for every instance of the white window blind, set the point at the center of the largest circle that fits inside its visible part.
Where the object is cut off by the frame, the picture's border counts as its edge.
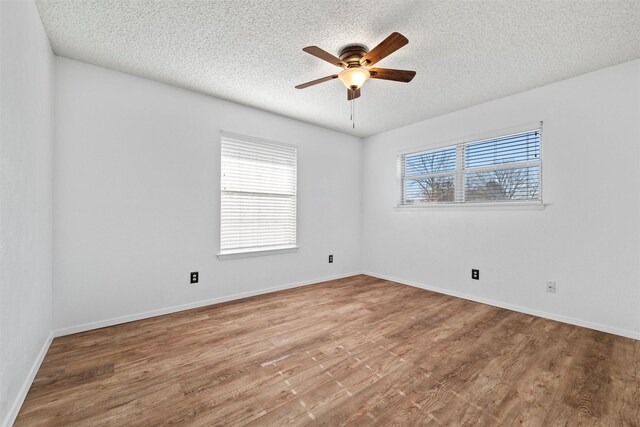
(500, 169)
(258, 195)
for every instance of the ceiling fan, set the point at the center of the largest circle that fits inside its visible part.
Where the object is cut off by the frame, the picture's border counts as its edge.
(355, 61)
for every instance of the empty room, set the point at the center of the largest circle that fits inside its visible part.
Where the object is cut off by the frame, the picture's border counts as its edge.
(335, 212)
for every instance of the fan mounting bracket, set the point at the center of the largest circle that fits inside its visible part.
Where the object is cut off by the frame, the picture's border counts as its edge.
(351, 54)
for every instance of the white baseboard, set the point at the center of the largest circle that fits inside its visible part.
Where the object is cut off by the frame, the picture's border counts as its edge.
(10, 417)
(159, 312)
(534, 312)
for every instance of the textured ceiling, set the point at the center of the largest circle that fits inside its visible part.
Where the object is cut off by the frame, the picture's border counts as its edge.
(250, 51)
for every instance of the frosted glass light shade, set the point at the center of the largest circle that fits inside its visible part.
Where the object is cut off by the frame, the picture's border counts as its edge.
(354, 78)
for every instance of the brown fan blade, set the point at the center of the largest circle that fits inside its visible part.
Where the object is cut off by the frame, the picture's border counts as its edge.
(389, 74)
(389, 45)
(315, 82)
(324, 55)
(353, 94)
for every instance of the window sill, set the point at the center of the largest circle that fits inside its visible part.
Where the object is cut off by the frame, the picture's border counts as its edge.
(248, 253)
(505, 206)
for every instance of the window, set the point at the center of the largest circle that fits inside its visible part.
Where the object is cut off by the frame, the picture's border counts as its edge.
(258, 195)
(496, 170)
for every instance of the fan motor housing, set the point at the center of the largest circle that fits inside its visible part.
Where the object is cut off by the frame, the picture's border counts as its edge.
(352, 54)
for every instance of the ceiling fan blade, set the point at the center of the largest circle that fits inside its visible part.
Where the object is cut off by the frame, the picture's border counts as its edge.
(315, 82)
(324, 55)
(389, 45)
(353, 94)
(404, 76)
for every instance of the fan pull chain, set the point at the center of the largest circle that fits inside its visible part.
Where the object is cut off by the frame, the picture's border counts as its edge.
(353, 113)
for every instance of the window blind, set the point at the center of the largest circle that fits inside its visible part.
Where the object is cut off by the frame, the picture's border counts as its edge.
(258, 195)
(429, 176)
(501, 169)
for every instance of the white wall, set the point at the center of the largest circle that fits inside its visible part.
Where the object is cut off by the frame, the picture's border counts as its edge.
(26, 101)
(137, 199)
(588, 237)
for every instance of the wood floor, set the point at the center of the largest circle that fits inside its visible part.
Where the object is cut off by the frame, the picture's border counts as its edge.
(356, 351)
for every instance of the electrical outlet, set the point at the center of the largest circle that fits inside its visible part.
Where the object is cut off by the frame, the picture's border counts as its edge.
(475, 274)
(194, 277)
(551, 287)
(330, 259)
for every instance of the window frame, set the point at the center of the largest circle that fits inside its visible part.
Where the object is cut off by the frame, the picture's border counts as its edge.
(460, 173)
(264, 250)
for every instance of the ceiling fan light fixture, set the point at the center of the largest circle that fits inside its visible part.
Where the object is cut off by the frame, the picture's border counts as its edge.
(354, 78)
(355, 60)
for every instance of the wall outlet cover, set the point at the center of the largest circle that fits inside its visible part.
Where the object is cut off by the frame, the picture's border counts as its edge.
(194, 277)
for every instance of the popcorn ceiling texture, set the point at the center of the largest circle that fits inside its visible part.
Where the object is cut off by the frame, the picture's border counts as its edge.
(250, 51)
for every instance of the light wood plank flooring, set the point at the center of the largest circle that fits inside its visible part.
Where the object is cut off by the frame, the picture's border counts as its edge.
(356, 351)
